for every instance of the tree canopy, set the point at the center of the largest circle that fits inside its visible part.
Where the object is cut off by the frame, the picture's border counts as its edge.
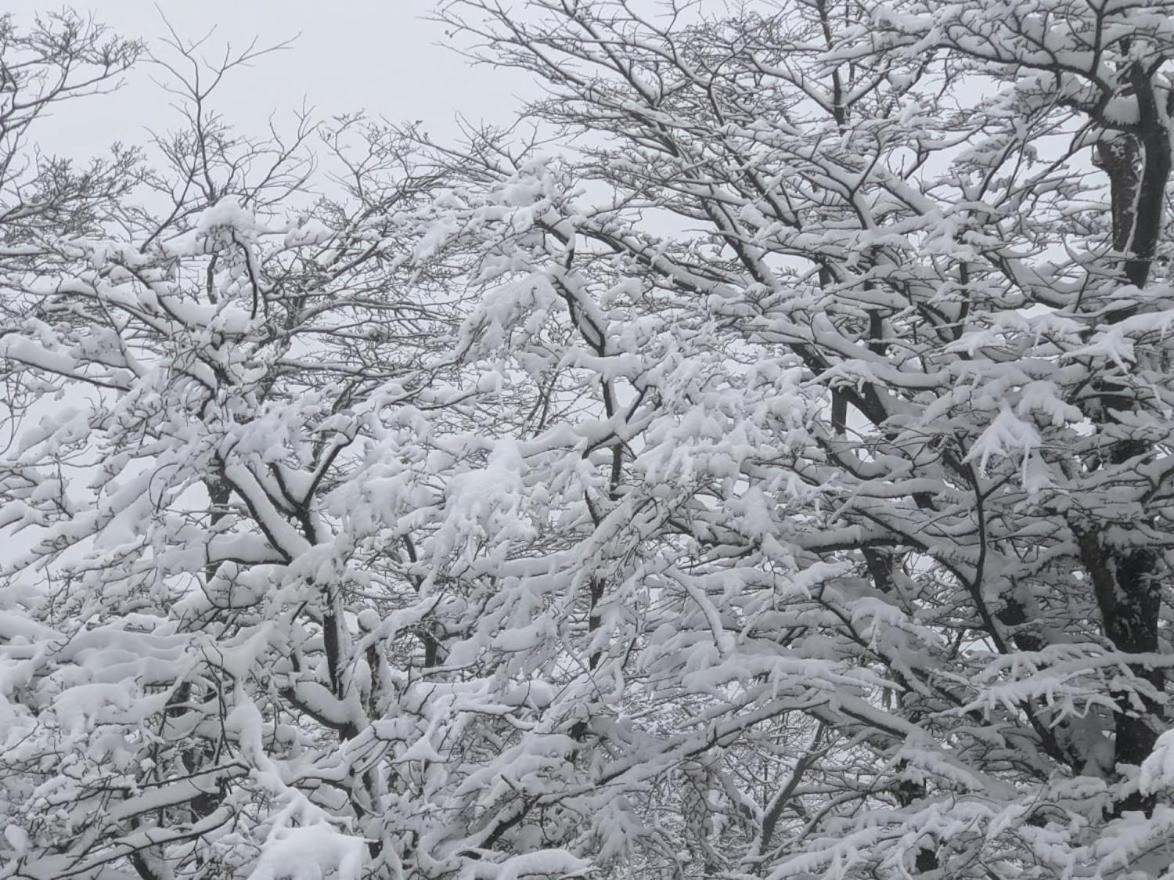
(756, 462)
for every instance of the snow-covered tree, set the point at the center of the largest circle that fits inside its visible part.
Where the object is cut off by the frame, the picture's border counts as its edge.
(763, 470)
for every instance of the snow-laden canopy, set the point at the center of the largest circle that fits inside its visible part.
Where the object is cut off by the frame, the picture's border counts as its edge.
(755, 463)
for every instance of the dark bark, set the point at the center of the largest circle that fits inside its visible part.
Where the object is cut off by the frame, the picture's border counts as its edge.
(1125, 575)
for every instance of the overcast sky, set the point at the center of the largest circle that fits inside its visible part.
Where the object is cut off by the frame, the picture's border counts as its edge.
(378, 55)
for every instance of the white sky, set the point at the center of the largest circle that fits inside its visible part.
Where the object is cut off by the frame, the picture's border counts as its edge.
(381, 56)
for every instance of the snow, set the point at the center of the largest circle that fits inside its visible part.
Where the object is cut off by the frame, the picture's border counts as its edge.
(740, 486)
(309, 853)
(227, 212)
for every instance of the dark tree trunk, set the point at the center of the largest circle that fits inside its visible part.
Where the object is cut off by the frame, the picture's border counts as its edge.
(1124, 574)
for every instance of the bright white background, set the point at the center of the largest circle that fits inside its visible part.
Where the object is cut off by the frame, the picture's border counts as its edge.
(381, 56)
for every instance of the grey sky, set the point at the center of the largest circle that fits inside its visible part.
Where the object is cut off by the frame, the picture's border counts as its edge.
(377, 55)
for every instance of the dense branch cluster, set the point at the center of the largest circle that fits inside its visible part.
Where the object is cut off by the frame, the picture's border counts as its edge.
(756, 463)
